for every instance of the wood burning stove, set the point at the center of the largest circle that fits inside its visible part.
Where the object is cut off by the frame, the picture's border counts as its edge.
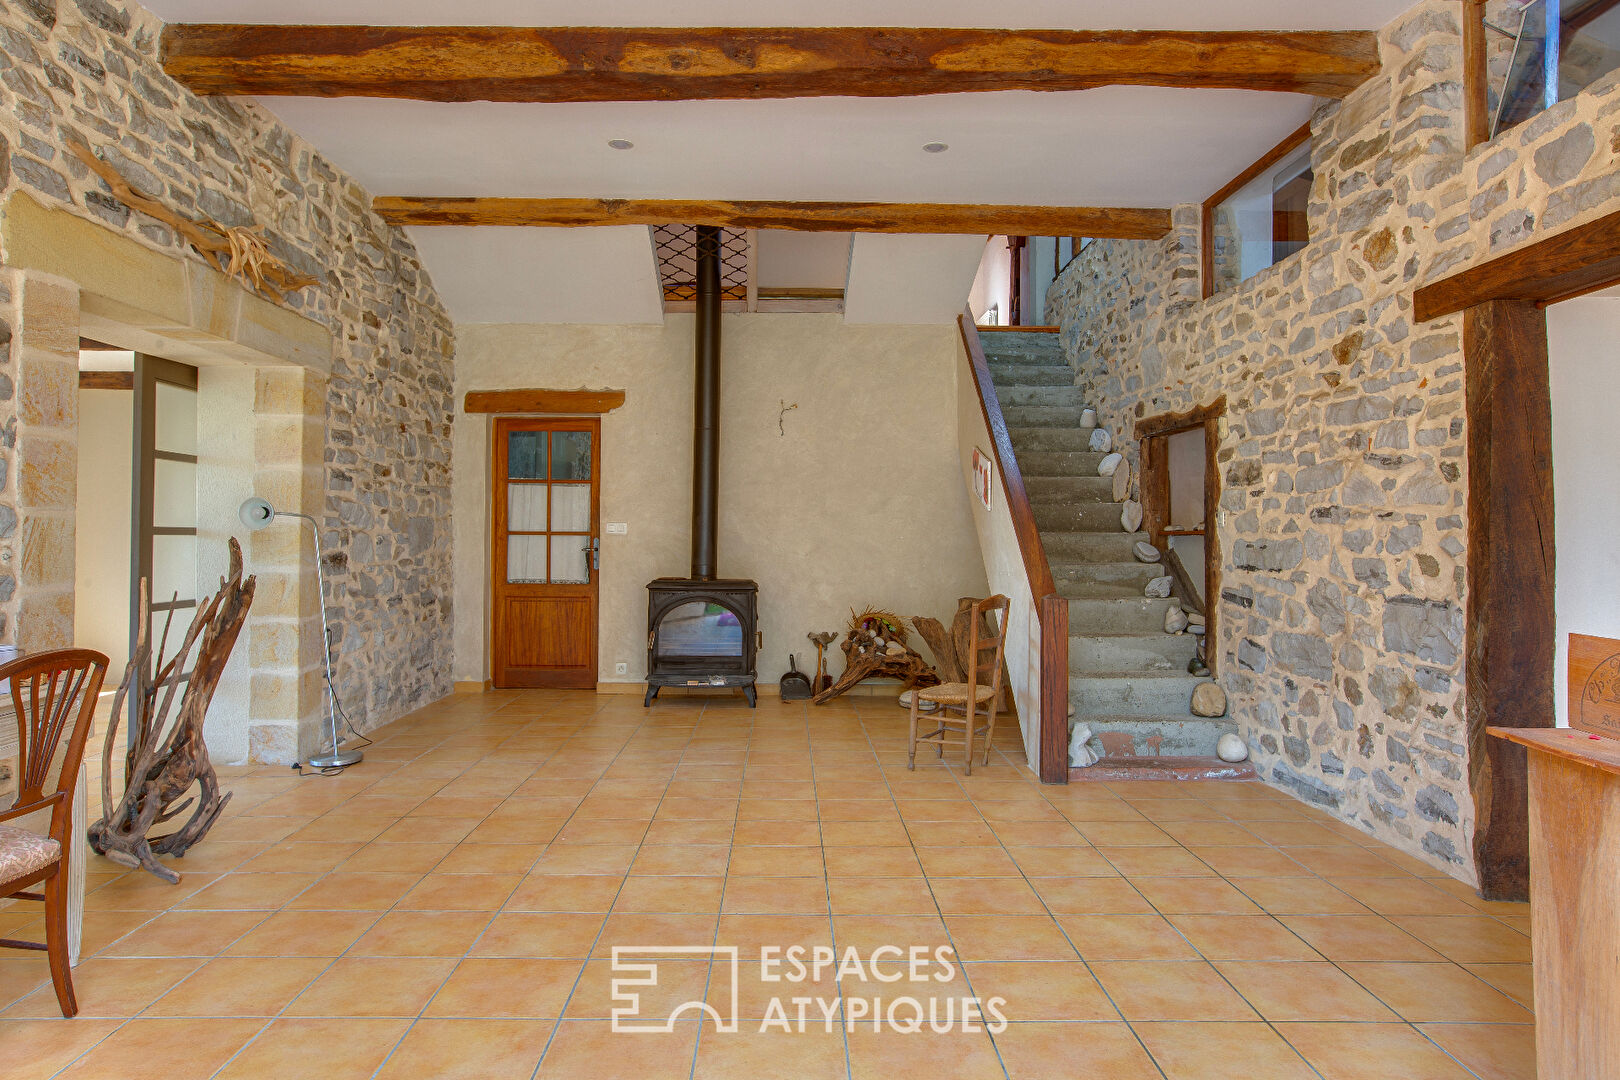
(703, 631)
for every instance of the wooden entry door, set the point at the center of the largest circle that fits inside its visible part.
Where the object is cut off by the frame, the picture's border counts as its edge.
(545, 552)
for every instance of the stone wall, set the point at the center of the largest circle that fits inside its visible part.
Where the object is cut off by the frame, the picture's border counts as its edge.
(1343, 524)
(88, 70)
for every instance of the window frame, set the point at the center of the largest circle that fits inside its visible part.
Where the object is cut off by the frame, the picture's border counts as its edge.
(1206, 240)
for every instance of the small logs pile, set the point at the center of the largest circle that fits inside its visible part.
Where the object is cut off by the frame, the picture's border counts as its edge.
(875, 647)
(163, 763)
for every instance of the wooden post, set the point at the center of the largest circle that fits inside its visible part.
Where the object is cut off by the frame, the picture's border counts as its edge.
(1510, 638)
(1476, 75)
(1054, 720)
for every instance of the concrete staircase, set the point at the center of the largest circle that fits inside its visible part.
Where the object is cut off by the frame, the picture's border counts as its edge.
(1127, 677)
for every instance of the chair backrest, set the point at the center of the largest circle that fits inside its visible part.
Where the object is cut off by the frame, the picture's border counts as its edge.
(54, 694)
(980, 643)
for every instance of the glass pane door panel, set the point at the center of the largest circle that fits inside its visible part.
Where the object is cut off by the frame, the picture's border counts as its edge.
(571, 508)
(175, 424)
(570, 455)
(526, 560)
(526, 507)
(569, 560)
(174, 494)
(526, 455)
(174, 568)
(697, 628)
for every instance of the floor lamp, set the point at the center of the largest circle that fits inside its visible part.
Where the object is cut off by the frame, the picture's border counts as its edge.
(256, 513)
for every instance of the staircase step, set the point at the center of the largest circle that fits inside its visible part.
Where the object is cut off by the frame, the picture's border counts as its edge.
(1096, 654)
(1181, 736)
(1131, 575)
(1134, 694)
(1066, 489)
(1031, 375)
(1059, 462)
(1024, 352)
(1103, 547)
(1089, 516)
(1031, 439)
(1016, 396)
(1063, 416)
(1128, 615)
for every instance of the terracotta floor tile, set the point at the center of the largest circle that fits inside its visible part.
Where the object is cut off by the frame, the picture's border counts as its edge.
(187, 933)
(616, 831)
(868, 932)
(594, 997)
(762, 861)
(1194, 896)
(468, 1050)
(1242, 937)
(590, 1050)
(670, 894)
(1170, 990)
(240, 986)
(1156, 862)
(1493, 1051)
(900, 1055)
(643, 930)
(52, 1045)
(752, 1054)
(1062, 862)
(1120, 834)
(1370, 1052)
(1038, 834)
(144, 892)
(1402, 896)
(374, 986)
(248, 892)
(1088, 896)
(540, 934)
(484, 859)
(561, 892)
(1292, 990)
(1043, 990)
(775, 896)
(507, 988)
(422, 933)
(304, 933)
(1126, 937)
(1008, 937)
(1442, 992)
(164, 1050)
(698, 860)
(872, 862)
(886, 833)
(345, 891)
(108, 987)
(985, 896)
(1249, 862)
(330, 1049)
(300, 858)
(983, 862)
(1517, 981)
(1041, 1051)
(1343, 862)
(881, 896)
(1358, 937)
(586, 859)
(1222, 1051)
(460, 892)
(771, 833)
(750, 934)
(1299, 896)
(1468, 939)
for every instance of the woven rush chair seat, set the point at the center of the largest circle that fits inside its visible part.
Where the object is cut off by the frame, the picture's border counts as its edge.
(23, 852)
(956, 693)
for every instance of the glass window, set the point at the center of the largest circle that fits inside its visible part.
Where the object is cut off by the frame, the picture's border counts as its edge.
(570, 455)
(569, 560)
(1558, 48)
(526, 560)
(526, 507)
(697, 628)
(175, 427)
(1264, 222)
(526, 455)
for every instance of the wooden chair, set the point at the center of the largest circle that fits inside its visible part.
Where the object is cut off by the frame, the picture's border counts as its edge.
(980, 693)
(51, 692)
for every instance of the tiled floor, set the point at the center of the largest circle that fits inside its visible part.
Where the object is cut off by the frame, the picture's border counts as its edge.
(448, 909)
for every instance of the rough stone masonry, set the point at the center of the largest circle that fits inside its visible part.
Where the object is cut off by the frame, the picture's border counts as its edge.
(1343, 516)
(88, 69)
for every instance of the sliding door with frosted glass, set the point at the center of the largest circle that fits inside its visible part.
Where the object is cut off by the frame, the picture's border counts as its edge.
(544, 561)
(164, 495)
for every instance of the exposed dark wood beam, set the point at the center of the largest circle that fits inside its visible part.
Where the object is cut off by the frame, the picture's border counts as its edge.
(486, 63)
(1123, 223)
(1556, 267)
(106, 380)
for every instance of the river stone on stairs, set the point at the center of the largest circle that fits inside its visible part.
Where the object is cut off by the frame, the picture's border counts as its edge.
(1128, 679)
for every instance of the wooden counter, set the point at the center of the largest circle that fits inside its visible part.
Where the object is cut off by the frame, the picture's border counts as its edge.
(1574, 899)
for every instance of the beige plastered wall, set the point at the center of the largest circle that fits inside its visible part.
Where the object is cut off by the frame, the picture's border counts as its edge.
(853, 497)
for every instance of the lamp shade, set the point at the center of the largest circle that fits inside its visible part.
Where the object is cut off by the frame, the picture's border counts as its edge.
(256, 513)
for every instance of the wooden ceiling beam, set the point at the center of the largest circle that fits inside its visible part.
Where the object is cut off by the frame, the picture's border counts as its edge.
(487, 63)
(1120, 223)
(1558, 267)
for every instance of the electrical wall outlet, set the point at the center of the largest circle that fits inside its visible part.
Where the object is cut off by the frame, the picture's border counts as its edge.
(618, 528)
(621, 668)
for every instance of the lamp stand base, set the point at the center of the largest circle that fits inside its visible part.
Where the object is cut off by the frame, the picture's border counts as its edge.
(337, 760)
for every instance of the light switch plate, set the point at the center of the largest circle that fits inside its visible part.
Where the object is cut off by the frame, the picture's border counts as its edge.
(618, 528)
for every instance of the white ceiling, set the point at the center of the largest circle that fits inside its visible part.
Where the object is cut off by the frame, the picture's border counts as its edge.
(910, 279)
(1113, 146)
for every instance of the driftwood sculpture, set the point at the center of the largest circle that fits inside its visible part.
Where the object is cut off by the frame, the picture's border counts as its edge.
(164, 762)
(875, 647)
(950, 648)
(237, 251)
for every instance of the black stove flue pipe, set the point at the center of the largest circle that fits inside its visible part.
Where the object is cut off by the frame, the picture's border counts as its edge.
(706, 407)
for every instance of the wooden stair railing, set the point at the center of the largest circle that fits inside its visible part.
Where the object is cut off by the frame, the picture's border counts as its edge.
(1051, 609)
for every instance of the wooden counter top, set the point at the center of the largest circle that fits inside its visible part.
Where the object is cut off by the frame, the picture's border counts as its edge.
(1571, 744)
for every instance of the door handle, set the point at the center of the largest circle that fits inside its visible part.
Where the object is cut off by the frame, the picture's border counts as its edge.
(594, 548)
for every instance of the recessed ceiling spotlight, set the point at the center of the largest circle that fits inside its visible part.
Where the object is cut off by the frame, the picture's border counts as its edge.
(621, 144)
(935, 148)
